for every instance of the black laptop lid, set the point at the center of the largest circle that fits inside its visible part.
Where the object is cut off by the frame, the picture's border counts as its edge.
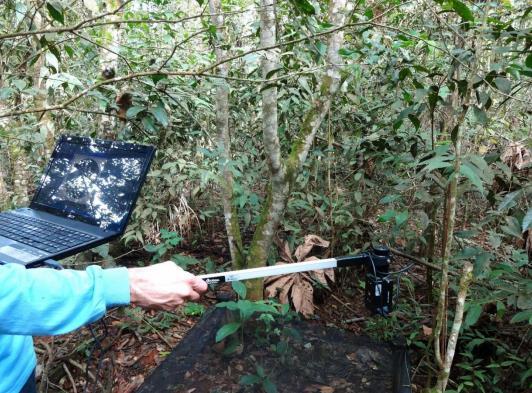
(94, 181)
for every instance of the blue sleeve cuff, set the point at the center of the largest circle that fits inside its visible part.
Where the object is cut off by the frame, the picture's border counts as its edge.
(116, 287)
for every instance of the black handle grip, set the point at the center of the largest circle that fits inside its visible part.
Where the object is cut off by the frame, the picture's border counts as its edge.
(353, 260)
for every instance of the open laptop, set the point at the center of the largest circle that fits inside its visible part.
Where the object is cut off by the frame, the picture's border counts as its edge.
(85, 199)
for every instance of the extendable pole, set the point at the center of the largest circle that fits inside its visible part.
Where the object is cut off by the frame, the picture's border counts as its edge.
(378, 289)
(286, 268)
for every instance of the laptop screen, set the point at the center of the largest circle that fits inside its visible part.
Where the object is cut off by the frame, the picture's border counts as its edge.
(94, 181)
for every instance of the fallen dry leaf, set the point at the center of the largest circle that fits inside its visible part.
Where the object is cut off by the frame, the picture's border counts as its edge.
(297, 287)
(309, 243)
(302, 296)
(427, 331)
(516, 155)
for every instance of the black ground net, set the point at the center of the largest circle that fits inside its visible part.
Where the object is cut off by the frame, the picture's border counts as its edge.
(312, 359)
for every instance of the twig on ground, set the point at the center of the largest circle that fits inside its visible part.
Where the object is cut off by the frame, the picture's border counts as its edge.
(157, 332)
(70, 378)
(352, 320)
(50, 358)
(84, 368)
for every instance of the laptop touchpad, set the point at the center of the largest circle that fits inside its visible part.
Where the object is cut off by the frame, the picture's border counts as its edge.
(12, 251)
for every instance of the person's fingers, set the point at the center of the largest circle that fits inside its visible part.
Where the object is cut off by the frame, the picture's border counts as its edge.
(199, 285)
(193, 296)
(183, 290)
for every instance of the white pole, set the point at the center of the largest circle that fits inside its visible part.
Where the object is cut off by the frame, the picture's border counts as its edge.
(276, 270)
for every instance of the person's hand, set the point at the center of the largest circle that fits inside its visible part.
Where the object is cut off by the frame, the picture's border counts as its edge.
(163, 286)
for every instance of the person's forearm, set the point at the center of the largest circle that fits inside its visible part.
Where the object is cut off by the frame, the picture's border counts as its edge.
(46, 302)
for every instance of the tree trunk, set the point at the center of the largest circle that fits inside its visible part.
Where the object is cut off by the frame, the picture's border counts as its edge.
(232, 225)
(465, 280)
(4, 161)
(440, 332)
(282, 174)
(40, 73)
(109, 54)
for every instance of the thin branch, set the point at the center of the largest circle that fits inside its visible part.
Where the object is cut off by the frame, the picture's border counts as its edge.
(86, 24)
(105, 49)
(84, 92)
(203, 72)
(179, 44)
(67, 29)
(306, 38)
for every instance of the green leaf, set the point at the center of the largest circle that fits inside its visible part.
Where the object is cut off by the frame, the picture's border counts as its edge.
(147, 122)
(437, 162)
(389, 199)
(184, 261)
(160, 114)
(415, 121)
(20, 84)
(473, 177)
(52, 61)
(260, 371)
(269, 386)
(387, 216)
(522, 316)
(304, 6)
(503, 84)
(484, 170)
(480, 115)
(508, 200)
(454, 134)
(56, 12)
(69, 51)
(404, 73)
(473, 313)
(401, 217)
(512, 227)
(482, 264)
(462, 10)
(249, 380)
(527, 220)
(193, 309)
(151, 247)
(348, 53)
(134, 111)
(227, 330)
(240, 289)
(528, 61)
(6, 93)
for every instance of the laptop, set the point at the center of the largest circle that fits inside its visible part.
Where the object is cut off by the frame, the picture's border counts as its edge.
(84, 199)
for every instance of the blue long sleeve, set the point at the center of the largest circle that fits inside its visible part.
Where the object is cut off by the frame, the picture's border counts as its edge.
(49, 302)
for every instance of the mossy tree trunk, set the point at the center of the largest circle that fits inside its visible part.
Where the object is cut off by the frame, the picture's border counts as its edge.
(283, 172)
(224, 141)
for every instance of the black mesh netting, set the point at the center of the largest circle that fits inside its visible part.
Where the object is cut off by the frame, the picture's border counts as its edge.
(317, 359)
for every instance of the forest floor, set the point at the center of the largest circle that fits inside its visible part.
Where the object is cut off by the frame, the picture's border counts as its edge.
(119, 352)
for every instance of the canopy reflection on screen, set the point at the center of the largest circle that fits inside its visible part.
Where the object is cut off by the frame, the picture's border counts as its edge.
(94, 182)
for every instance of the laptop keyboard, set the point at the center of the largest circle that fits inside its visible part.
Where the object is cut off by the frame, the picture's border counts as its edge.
(40, 234)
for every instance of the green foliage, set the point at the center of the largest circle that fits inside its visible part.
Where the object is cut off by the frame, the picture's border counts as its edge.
(260, 379)
(193, 309)
(380, 164)
(169, 240)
